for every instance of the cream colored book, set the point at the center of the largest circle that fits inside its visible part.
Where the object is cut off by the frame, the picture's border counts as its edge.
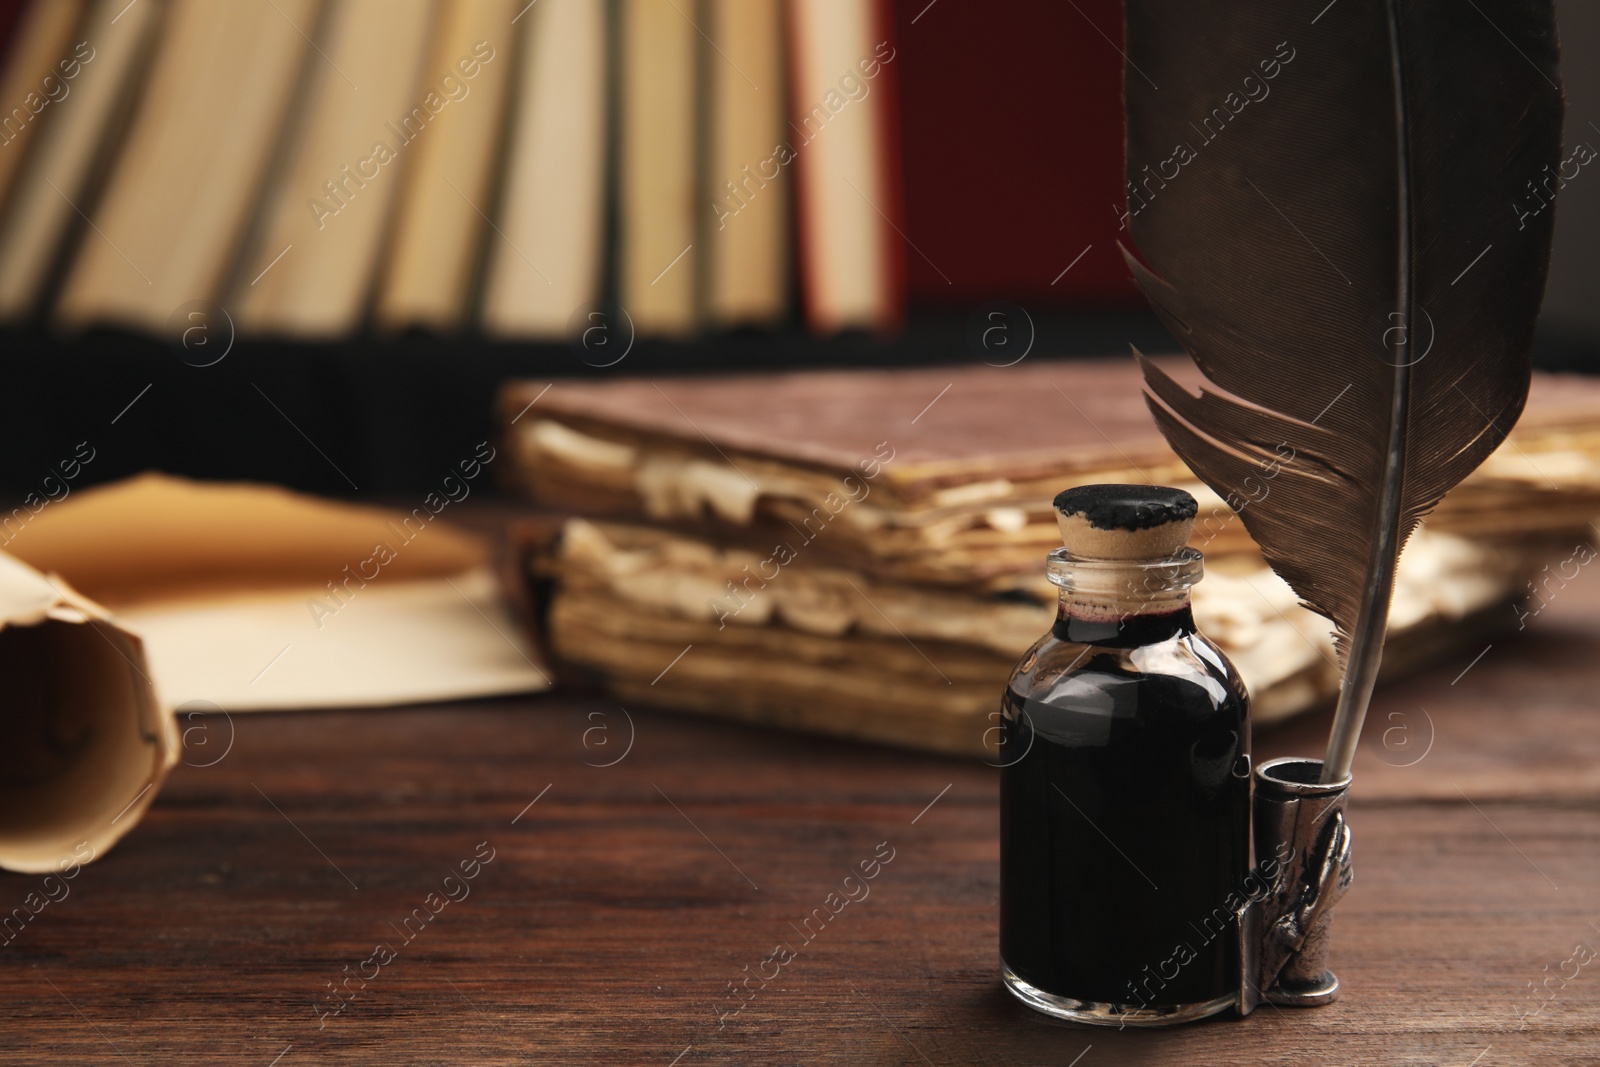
(452, 148)
(545, 262)
(35, 83)
(839, 137)
(42, 209)
(181, 194)
(310, 273)
(747, 187)
(656, 209)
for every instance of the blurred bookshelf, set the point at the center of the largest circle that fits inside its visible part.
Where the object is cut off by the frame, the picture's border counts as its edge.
(305, 241)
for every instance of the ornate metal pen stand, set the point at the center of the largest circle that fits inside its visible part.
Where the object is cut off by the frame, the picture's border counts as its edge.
(1302, 844)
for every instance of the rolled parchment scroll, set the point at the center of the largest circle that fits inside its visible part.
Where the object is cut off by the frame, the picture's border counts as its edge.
(84, 741)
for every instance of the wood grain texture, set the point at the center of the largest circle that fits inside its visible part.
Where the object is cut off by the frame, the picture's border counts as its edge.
(618, 908)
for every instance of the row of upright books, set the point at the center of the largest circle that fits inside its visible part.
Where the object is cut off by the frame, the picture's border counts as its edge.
(314, 167)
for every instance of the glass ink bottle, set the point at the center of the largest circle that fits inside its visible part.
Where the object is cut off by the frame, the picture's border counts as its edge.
(1125, 789)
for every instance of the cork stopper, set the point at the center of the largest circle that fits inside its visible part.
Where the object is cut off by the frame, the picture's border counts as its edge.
(1124, 522)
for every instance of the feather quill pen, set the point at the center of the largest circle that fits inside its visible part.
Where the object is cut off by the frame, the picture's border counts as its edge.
(1340, 209)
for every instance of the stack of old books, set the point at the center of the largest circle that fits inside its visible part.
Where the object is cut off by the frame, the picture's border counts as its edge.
(862, 553)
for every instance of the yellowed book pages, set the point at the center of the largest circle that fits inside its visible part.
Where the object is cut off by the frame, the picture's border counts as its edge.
(917, 665)
(546, 260)
(44, 203)
(36, 81)
(311, 272)
(656, 212)
(451, 144)
(747, 185)
(182, 193)
(838, 129)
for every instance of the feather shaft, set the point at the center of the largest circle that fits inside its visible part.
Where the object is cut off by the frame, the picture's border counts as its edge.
(1372, 618)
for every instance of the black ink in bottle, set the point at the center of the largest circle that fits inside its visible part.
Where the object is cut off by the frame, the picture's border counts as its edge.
(1125, 791)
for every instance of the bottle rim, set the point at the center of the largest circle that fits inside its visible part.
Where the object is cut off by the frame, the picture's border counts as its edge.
(1125, 577)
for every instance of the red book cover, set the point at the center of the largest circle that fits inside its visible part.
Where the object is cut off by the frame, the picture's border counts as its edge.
(1011, 135)
(10, 15)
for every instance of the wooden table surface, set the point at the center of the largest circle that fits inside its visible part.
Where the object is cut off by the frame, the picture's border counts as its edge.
(621, 902)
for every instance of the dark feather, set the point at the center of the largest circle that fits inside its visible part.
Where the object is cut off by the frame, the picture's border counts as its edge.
(1313, 238)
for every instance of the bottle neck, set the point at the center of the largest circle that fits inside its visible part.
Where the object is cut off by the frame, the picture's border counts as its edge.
(1124, 603)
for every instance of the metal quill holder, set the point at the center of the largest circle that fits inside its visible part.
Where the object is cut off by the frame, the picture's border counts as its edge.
(1303, 847)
